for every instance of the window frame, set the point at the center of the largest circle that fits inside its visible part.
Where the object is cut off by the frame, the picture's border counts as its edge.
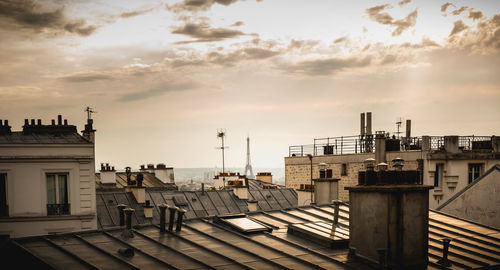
(343, 169)
(63, 208)
(438, 175)
(471, 171)
(6, 194)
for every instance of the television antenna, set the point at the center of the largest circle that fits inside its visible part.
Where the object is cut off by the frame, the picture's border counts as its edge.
(89, 111)
(398, 123)
(221, 133)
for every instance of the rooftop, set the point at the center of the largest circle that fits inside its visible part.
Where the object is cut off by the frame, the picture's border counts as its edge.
(205, 243)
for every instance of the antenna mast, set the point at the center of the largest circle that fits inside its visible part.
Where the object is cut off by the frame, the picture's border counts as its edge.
(398, 123)
(221, 133)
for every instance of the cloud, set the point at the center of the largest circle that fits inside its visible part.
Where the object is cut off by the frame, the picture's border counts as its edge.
(383, 18)
(475, 15)
(198, 5)
(403, 24)
(458, 27)
(241, 55)
(24, 14)
(459, 11)
(390, 58)
(302, 44)
(87, 77)
(322, 67)
(426, 42)
(157, 91)
(445, 6)
(238, 23)
(339, 40)
(404, 2)
(375, 15)
(135, 13)
(203, 33)
(483, 39)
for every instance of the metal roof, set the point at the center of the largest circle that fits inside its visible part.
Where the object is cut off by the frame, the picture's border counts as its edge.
(199, 204)
(205, 244)
(150, 180)
(44, 138)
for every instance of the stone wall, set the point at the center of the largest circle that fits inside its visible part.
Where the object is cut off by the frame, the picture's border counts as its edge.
(298, 169)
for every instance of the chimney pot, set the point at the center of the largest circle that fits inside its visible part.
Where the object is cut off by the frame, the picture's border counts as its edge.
(121, 207)
(39, 122)
(26, 122)
(336, 204)
(65, 122)
(128, 215)
(6, 123)
(53, 122)
(1, 123)
(32, 122)
(59, 119)
(163, 208)
(180, 215)
(143, 167)
(172, 210)
(202, 188)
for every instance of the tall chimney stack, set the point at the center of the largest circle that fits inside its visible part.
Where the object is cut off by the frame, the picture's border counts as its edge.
(59, 120)
(362, 129)
(369, 123)
(408, 128)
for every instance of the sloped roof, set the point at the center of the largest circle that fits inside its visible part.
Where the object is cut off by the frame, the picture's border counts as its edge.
(149, 180)
(199, 204)
(259, 184)
(18, 137)
(205, 244)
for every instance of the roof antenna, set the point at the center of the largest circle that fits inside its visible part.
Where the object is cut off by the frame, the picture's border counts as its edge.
(89, 111)
(221, 133)
(398, 123)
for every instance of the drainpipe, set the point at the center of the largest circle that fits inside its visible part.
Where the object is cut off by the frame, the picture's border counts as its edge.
(180, 214)
(172, 210)
(163, 210)
(122, 216)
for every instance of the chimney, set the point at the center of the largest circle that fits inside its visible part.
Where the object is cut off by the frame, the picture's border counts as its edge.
(241, 192)
(53, 122)
(127, 233)
(265, 177)
(26, 122)
(380, 147)
(39, 122)
(408, 128)
(252, 205)
(121, 207)
(108, 174)
(148, 209)
(180, 215)
(166, 175)
(362, 128)
(5, 128)
(32, 122)
(163, 209)
(172, 210)
(202, 188)
(325, 190)
(451, 144)
(368, 123)
(389, 210)
(65, 122)
(59, 120)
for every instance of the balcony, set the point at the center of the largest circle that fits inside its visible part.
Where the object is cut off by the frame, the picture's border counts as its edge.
(57, 209)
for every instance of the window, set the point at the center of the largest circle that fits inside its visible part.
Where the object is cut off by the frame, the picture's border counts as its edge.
(326, 173)
(438, 175)
(4, 208)
(57, 194)
(475, 170)
(344, 169)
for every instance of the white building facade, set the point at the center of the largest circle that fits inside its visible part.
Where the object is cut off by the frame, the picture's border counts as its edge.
(47, 179)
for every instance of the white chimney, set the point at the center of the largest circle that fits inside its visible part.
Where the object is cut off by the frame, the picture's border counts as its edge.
(166, 175)
(241, 192)
(108, 174)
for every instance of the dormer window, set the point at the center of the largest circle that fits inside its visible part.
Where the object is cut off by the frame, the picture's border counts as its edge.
(57, 194)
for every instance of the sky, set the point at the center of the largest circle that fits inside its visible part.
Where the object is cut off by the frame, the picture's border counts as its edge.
(163, 77)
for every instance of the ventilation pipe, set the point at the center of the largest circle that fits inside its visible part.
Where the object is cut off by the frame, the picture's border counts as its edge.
(172, 210)
(446, 245)
(336, 206)
(163, 209)
(121, 207)
(127, 233)
(180, 215)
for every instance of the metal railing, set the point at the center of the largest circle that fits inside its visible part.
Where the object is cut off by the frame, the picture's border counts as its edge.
(58, 209)
(366, 144)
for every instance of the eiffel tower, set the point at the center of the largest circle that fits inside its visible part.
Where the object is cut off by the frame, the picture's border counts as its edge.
(248, 167)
